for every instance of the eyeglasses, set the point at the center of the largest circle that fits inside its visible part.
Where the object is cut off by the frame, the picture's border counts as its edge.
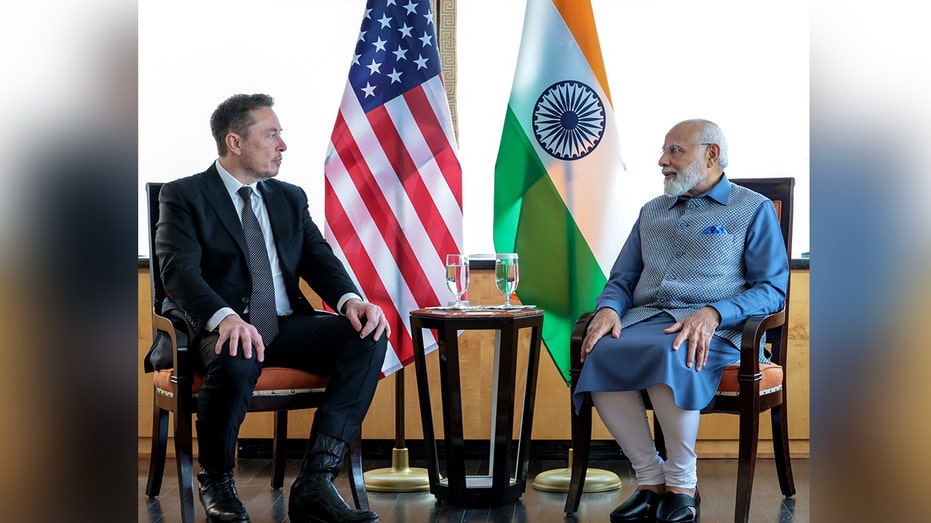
(675, 150)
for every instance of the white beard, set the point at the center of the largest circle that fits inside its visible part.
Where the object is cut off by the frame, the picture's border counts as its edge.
(684, 179)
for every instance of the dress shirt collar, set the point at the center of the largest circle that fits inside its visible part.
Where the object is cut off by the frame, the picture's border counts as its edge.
(718, 193)
(233, 185)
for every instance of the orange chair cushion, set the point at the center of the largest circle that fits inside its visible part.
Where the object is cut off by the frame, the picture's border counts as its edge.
(272, 378)
(772, 378)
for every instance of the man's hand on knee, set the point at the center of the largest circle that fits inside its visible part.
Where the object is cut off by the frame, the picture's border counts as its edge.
(375, 321)
(697, 330)
(240, 332)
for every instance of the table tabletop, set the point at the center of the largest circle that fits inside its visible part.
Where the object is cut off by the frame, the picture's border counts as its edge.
(478, 312)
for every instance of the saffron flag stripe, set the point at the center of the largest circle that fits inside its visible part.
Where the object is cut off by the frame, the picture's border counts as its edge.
(557, 183)
(581, 23)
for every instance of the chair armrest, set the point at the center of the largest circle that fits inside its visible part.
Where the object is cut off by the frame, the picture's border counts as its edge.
(753, 331)
(180, 331)
(164, 324)
(575, 346)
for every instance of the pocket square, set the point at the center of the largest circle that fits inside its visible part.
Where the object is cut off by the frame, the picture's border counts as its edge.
(715, 229)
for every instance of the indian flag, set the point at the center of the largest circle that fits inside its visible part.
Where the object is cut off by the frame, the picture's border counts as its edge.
(557, 176)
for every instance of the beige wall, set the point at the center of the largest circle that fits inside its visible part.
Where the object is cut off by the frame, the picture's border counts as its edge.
(717, 435)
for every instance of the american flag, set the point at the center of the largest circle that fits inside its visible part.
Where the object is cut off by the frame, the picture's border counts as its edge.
(393, 198)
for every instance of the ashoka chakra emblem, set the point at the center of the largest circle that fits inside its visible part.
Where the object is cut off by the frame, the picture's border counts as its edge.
(569, 120)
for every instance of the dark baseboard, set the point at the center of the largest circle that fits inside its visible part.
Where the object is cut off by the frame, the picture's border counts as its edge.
(381, 449)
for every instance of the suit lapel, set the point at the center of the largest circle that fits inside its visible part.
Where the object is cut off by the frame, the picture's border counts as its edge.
(219, 199)
(277, 208)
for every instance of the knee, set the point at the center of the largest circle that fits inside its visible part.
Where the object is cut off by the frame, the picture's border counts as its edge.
(370, 346)
(235, 370)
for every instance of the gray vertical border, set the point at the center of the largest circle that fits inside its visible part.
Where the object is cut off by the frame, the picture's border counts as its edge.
(444, 12)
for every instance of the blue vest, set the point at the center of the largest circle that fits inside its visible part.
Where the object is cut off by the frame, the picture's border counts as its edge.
(692, 255)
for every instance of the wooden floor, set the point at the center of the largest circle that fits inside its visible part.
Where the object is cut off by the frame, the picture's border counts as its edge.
(716, 483)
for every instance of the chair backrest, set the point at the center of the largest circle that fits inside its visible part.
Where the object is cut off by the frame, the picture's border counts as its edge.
(781, 191)
(155, 280)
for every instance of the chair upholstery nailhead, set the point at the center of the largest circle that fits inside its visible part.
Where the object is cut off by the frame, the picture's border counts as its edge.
(771, 382)
(273, 381)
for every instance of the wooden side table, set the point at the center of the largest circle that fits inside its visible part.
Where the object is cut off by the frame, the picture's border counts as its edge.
(507, 476)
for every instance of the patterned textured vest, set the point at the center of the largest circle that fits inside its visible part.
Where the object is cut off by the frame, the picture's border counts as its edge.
(692, 255)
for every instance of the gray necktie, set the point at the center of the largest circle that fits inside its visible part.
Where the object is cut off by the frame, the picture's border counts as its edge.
(262, 312)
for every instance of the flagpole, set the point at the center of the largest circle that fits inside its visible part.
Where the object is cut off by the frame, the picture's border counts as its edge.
(400, 477)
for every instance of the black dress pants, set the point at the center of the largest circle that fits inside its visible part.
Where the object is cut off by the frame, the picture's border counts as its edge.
(319, 343)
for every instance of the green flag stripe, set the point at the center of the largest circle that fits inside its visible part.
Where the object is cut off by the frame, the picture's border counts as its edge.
(559, 272)
(516, 169)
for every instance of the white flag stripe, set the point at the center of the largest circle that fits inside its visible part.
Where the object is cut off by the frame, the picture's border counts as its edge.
(408, 302)
(391, 363)
(587, 186)
(436, 94)
(375, 247)
(397, 199)
(428, 170)
(374, 244)
(379, 203)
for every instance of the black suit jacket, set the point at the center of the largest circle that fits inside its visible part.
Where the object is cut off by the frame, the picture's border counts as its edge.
(204, 259)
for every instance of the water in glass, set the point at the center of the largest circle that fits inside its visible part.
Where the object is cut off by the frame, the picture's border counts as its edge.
(506, 275)
(457, 276)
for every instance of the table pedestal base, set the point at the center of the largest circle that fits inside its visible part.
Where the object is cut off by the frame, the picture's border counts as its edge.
(399, 478)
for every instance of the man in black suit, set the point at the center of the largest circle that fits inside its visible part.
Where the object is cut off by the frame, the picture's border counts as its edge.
(204, 243)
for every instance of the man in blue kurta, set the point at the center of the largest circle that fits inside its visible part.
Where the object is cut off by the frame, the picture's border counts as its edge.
(700, 260)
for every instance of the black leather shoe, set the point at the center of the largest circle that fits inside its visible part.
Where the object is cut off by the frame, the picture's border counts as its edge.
(639, 508)
(678, 508)
(319, 502)
(314, 499)
(220, 499)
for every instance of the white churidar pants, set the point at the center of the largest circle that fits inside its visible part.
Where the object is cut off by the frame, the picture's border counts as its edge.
(625, 416)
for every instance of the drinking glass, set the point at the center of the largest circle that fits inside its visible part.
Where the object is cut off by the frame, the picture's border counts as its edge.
(506, 275)
(457, 277)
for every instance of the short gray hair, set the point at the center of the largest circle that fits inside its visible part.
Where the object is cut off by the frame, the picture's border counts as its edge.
(709, 132)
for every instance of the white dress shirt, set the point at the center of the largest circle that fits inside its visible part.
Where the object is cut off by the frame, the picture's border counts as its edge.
(282, 304)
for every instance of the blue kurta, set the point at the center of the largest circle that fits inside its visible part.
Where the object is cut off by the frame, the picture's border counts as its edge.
(724, 249)
(642, 357)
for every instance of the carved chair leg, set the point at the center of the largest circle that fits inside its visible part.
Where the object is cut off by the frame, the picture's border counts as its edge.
(279, 442)
(581, 448)
(781, 450)
(185, 459)
(159, 449)
(356, 477)
(746, 463)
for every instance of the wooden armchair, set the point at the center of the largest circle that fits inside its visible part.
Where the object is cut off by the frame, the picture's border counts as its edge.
(747, 388)
(278, 390)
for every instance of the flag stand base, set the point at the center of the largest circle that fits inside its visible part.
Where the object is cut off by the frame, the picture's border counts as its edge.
(557, 480)
(399, 478)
